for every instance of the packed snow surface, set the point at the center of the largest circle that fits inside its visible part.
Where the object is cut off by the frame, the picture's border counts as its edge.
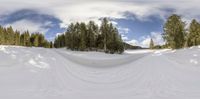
(38, 73)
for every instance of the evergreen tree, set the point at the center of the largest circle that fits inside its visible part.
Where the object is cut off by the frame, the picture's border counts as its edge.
(51, 45)
(26, 38)
(1, 35)
(10, 37)
(22, 40)
(17, 38)
(174, 32)
(40, 40)
(99, 42)
(92, 34)
(80, 36)
(194, 34)
(46, 44)
(69, 36)
(115, 43)
(60, 41)
(104, 31)
(76, 37)
(83, 36)
(34, 40)
(151, 45)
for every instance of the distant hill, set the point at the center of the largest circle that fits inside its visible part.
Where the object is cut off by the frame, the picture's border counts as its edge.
(129, 46)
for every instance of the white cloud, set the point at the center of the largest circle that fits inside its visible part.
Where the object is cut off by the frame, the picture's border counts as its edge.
(77, 10)
(24, 25)
(157, 38)
(84, 10)
(133, 42)
(123, 30)
(145, 40)
(124, 38)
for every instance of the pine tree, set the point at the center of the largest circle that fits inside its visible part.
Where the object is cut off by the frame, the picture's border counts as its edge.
(104, 32)
(10, 37)
(83, 34)
(174, 32)
(1, 35)
(115, 43)
(194, 34)
(32, 38)
(69, 36)
(22, 40)
(80, 36)
(151, 45)
(51, 45)
(36, 43)
(17, 38)
(67, 39)
(92, 32)
(46, 44)
(99, 42)
(27, 38)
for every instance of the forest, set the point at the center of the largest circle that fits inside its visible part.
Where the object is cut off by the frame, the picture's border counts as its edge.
(10, 37)
(106, 38)
(91, 37)
(177, 35)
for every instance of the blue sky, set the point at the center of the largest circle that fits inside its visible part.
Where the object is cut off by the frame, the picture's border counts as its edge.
(137, 20)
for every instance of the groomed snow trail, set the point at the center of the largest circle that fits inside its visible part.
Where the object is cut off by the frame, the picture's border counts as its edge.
(38, 73)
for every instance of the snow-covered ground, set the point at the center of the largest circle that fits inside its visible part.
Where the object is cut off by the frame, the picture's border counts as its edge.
(38, 73)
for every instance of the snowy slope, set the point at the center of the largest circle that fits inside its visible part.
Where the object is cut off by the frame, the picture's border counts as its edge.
(38, 73)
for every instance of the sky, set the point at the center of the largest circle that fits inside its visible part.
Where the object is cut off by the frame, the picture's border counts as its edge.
(137, 20)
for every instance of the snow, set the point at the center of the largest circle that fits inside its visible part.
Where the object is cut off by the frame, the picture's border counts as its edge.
(38, 73)
(138, 51)
(194, 61)
(38, 64)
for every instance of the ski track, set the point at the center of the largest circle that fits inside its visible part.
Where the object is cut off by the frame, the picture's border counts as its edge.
(37, 73)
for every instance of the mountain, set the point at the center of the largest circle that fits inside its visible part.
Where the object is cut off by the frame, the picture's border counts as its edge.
(129, 46)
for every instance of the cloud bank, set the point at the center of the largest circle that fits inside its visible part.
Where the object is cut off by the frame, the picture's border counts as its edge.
(69, 11)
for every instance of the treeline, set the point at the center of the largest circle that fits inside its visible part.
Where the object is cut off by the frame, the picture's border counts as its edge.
(10, 37)
(131, 47)
(91, 37)
(177, 35)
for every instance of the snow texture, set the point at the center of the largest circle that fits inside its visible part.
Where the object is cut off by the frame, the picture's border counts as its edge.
(38, 73)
